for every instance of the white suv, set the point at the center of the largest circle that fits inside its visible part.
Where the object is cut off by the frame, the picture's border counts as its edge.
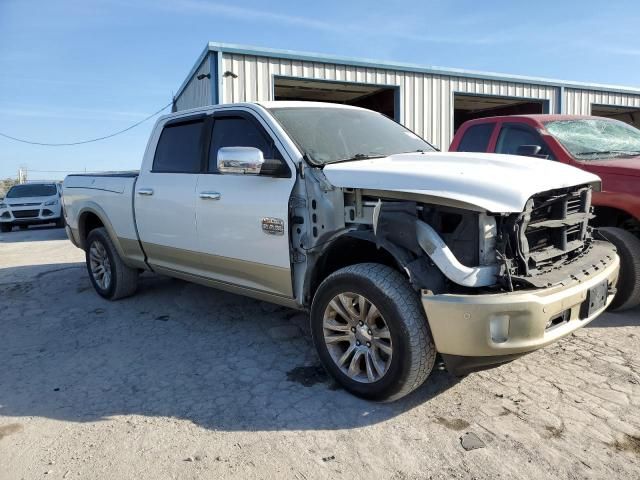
(31, 204)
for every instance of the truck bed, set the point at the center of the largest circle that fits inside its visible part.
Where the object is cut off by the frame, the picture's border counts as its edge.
(108, 195)
(122, 174)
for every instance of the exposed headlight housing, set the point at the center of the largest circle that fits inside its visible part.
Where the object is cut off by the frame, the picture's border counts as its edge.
(51, 202)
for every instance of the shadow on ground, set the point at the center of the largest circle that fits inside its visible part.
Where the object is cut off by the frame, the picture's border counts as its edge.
(626, 318)
(174, 350)
(35, 233)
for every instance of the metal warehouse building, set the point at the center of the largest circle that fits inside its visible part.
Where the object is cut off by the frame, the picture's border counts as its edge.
(431, 101)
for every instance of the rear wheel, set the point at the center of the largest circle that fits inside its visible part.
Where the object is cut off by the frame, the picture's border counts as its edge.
(628, 246)
(5, 227)
(111, 278)
(370, 331)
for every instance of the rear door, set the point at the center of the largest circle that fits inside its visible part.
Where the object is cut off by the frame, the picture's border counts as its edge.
(165, 196)
(242, 220)
(475, 138)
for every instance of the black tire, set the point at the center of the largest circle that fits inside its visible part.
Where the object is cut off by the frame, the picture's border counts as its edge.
(24, 227)
(414, 352)
(5, 227)
(60, 222)
(123, 279)
(628, 246)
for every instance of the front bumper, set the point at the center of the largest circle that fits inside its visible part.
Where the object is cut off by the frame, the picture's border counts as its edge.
(46, 214)
(503, 326)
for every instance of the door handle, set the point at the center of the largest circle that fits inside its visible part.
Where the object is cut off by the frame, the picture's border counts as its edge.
(210, 195)
(145, 191)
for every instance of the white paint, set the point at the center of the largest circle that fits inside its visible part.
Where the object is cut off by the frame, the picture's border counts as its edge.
(111, 195)
(168, 216)
(496, 183)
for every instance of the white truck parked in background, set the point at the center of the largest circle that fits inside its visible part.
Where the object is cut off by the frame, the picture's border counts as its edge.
(398, 251)
(31, 204)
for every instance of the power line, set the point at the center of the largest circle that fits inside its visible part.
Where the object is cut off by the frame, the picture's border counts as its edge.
(30, 142)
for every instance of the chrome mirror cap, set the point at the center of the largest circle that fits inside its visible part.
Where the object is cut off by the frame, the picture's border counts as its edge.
(240, 160)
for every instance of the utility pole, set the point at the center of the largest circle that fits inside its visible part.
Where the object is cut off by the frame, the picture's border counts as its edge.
(22, 175)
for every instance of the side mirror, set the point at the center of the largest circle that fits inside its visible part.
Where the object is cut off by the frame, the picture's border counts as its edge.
(529, 150)
(240, 160)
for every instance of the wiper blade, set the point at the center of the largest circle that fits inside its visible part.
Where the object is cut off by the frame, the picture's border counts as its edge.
(359, 156)
(610, 152)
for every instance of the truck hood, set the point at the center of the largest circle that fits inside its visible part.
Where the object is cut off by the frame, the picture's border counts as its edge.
(496, 183)
(628, 166)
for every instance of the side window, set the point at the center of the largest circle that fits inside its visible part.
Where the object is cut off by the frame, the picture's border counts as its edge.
(476, 138)
(179, 149)
(513, 136)
(242, 132)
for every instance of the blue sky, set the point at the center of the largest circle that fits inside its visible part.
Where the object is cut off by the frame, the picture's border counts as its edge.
(77, 69)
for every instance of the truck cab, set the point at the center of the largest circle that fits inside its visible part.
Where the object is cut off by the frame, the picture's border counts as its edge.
(603, 146)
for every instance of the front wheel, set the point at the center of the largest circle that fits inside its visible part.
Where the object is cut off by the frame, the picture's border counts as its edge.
(5, 227)
(628, 246)
(370, 332)
(111, 278)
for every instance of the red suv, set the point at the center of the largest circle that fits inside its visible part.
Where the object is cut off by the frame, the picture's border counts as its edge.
(609, 148)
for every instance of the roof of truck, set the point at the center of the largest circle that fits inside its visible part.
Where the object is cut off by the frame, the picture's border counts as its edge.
(267, 105)
(540, 117)
(303, 104)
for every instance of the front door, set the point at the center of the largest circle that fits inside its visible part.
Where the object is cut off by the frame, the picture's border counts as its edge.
(242, 220)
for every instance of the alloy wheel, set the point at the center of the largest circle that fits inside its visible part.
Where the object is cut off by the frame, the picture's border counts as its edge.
(357, 337)
(100, 265)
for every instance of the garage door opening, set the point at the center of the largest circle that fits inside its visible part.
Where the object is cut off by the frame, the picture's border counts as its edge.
(628, 115)
(374, 97)
(468, 107)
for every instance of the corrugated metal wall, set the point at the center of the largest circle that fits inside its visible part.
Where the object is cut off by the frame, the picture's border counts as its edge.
(426, 99)
(578, 102)
(197, 93)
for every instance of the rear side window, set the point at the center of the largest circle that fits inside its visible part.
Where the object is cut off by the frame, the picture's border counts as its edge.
(476, 138)
(179, 149)
(514, 136)
(239, 132)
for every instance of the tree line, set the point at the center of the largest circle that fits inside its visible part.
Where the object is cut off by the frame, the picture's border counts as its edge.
(6, 184)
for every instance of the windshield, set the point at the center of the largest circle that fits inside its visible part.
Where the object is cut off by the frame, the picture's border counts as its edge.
(21, 191)
(330, 135)
(596, 138)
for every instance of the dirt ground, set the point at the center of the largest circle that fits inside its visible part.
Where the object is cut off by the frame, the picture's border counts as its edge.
(181, 381)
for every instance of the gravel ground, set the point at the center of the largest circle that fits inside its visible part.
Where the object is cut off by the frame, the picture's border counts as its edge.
(181, 381)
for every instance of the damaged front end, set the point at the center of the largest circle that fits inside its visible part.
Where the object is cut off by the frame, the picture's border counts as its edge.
(449, 249)
(548, 242)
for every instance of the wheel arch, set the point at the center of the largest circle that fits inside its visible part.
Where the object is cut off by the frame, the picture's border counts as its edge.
(91, 217)
(350, 248)
(609, 216)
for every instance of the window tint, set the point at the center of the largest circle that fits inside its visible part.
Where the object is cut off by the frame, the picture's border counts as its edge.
(22, 191)
(239, 132)
(476, 138)
(179, 148)
(513, 136)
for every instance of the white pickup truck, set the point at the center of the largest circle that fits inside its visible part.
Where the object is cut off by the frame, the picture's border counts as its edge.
(398, 251)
